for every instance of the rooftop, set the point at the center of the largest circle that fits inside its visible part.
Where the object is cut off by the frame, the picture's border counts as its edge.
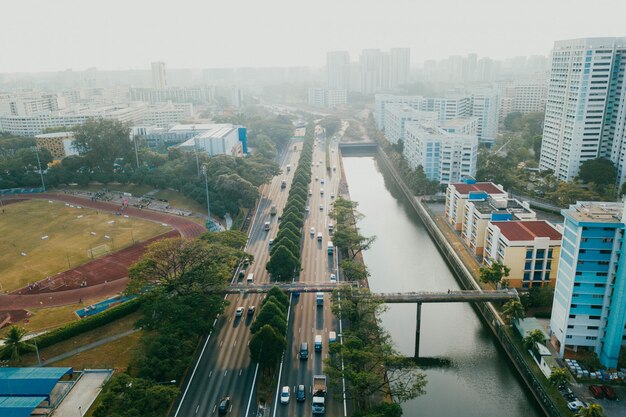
(488, 187)
(527, 230)
(596, 211)
(54, 135)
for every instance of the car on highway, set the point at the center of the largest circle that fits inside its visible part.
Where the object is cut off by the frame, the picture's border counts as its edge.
(332, 196)
(316, 178)
(322, 181)
(321, 191)
(310, 192)
(301, 393)
(266, 226)
(333, 278)
(239, 311)
(224, 406)
(321, 207)
(306, 209)
(319, 237)
(312, 231)
(334, 168)
(250, 310)
(271, 242)
(284, 395)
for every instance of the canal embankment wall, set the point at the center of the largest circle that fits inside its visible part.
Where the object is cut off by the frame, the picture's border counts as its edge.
(466, 280)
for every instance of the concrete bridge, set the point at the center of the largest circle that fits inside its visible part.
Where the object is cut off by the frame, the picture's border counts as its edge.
(456, 296)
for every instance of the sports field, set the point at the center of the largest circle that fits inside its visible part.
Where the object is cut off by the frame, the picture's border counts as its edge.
(39, 238)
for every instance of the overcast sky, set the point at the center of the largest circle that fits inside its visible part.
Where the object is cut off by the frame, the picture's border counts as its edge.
(49, 35)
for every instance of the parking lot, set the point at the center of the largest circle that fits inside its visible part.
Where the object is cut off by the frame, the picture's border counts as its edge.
(611, 408)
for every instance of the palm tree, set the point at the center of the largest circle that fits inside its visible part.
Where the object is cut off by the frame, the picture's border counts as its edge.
(592, 410)
(513, 310)
(14, 346)
(536, 336)
(558, 377)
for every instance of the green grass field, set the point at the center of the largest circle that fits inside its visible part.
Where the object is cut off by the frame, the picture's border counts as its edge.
(69, 240)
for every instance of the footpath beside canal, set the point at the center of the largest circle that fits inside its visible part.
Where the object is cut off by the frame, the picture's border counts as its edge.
(466, 276)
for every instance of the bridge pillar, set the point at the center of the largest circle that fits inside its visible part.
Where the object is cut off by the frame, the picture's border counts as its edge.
(418, 319)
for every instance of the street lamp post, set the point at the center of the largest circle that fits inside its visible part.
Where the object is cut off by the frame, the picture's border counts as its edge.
(43, 185)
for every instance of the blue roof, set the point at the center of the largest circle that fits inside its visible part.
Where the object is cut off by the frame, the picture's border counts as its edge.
(30, 381)
(19, 406)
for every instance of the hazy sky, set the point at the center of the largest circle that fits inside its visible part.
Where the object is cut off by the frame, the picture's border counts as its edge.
(48, 35)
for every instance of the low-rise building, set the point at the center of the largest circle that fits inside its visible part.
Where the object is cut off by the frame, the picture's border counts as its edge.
(60, 144)
(327, 98)
(530, 249)
(458, 194)
(219, 139)
(478, 213)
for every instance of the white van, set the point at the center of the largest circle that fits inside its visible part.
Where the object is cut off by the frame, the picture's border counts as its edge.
(250, 279)
(319, 237)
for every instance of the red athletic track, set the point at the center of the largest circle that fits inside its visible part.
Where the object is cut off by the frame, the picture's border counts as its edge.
(104, 276)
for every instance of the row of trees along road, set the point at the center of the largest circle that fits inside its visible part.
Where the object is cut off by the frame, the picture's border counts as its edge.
(177, 311)
(285, 252)
(107, 154)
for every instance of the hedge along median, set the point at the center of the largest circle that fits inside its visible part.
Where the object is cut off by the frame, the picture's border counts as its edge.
(90, 323)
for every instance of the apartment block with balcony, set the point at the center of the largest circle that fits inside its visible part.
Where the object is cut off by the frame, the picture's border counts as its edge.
(458, 194)
(530, 249)
(589, 309)
(478, 213)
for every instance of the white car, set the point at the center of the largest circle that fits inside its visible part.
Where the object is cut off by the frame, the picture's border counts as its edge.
(312, 231)
(321, 207)
(322, 181)
(575, 405)
(310, 192)
(333, 279)
(332, 196)
(306, 209)
(284, 395)
(316, 178)
(239, 311)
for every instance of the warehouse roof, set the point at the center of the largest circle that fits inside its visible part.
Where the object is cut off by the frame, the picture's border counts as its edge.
(30, 381)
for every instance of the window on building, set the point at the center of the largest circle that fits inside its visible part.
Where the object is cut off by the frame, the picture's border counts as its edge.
(594, 317)
(541, 253)
(537, 276)
(550, 252)
(529, 253)
(572, 316)
(592, 327)
(528, 265)
(526, 276)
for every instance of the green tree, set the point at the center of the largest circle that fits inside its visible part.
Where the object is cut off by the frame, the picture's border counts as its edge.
(353, 270)
(513, 121)
(558, 377)
(232, 238)
(279, 295)
(267, 346)
(592, 410)
(382, 410)
(536, 336)
(282, 264)
(600, 171)
(268, 313)
(495, 273)
(513, 310)
(104, 142)
(14, 344)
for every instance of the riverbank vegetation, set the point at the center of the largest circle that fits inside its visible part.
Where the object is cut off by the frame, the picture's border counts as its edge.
(373, 369)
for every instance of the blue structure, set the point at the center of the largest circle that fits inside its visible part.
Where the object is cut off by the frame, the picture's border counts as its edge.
(243, 138)
(102, 306)
(19, 406)
(589, 310)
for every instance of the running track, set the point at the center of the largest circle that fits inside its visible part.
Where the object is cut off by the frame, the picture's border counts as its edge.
(105, 276)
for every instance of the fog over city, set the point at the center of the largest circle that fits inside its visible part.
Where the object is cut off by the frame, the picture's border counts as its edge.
(42, 35)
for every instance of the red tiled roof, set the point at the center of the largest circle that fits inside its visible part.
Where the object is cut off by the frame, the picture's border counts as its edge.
(527, 230)
(488, 187)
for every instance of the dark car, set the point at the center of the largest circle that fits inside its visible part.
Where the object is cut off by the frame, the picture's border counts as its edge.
(301, 393)
(609, 392)
(224, 405)
(596, 391)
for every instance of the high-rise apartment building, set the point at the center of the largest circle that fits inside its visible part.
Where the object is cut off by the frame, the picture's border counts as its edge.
(338, 70)
(399, 67)
(589, 309)
(371, 65)
(159, 75)
(585, 106)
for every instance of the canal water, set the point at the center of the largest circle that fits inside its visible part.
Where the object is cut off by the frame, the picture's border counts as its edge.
(480, 381)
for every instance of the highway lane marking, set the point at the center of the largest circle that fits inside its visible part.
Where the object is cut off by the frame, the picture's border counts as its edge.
(214, 407)
(235, 342)
(221, 342)
(252, 390)
(225, 372)
(240, 371)
(210, 373)
(197, 408)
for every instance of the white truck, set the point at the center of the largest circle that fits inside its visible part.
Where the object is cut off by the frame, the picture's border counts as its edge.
(319, 394)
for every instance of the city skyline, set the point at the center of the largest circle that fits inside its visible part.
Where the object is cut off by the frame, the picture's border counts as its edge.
(192, 35)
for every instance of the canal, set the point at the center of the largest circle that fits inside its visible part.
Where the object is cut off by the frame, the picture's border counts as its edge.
(480, 381)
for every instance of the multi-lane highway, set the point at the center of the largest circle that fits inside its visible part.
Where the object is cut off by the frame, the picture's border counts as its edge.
(224, 367)
(307, 319)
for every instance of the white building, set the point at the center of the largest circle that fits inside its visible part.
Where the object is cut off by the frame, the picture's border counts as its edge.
(167, 114)
(461, 126)
(29, 104)
(486, 107)
(530, 95)
(323, 97)
(399, 67)
(159, 75)
(216, 139)
(445, 157)
(585, 106)
(397, 115)
(338, 70)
